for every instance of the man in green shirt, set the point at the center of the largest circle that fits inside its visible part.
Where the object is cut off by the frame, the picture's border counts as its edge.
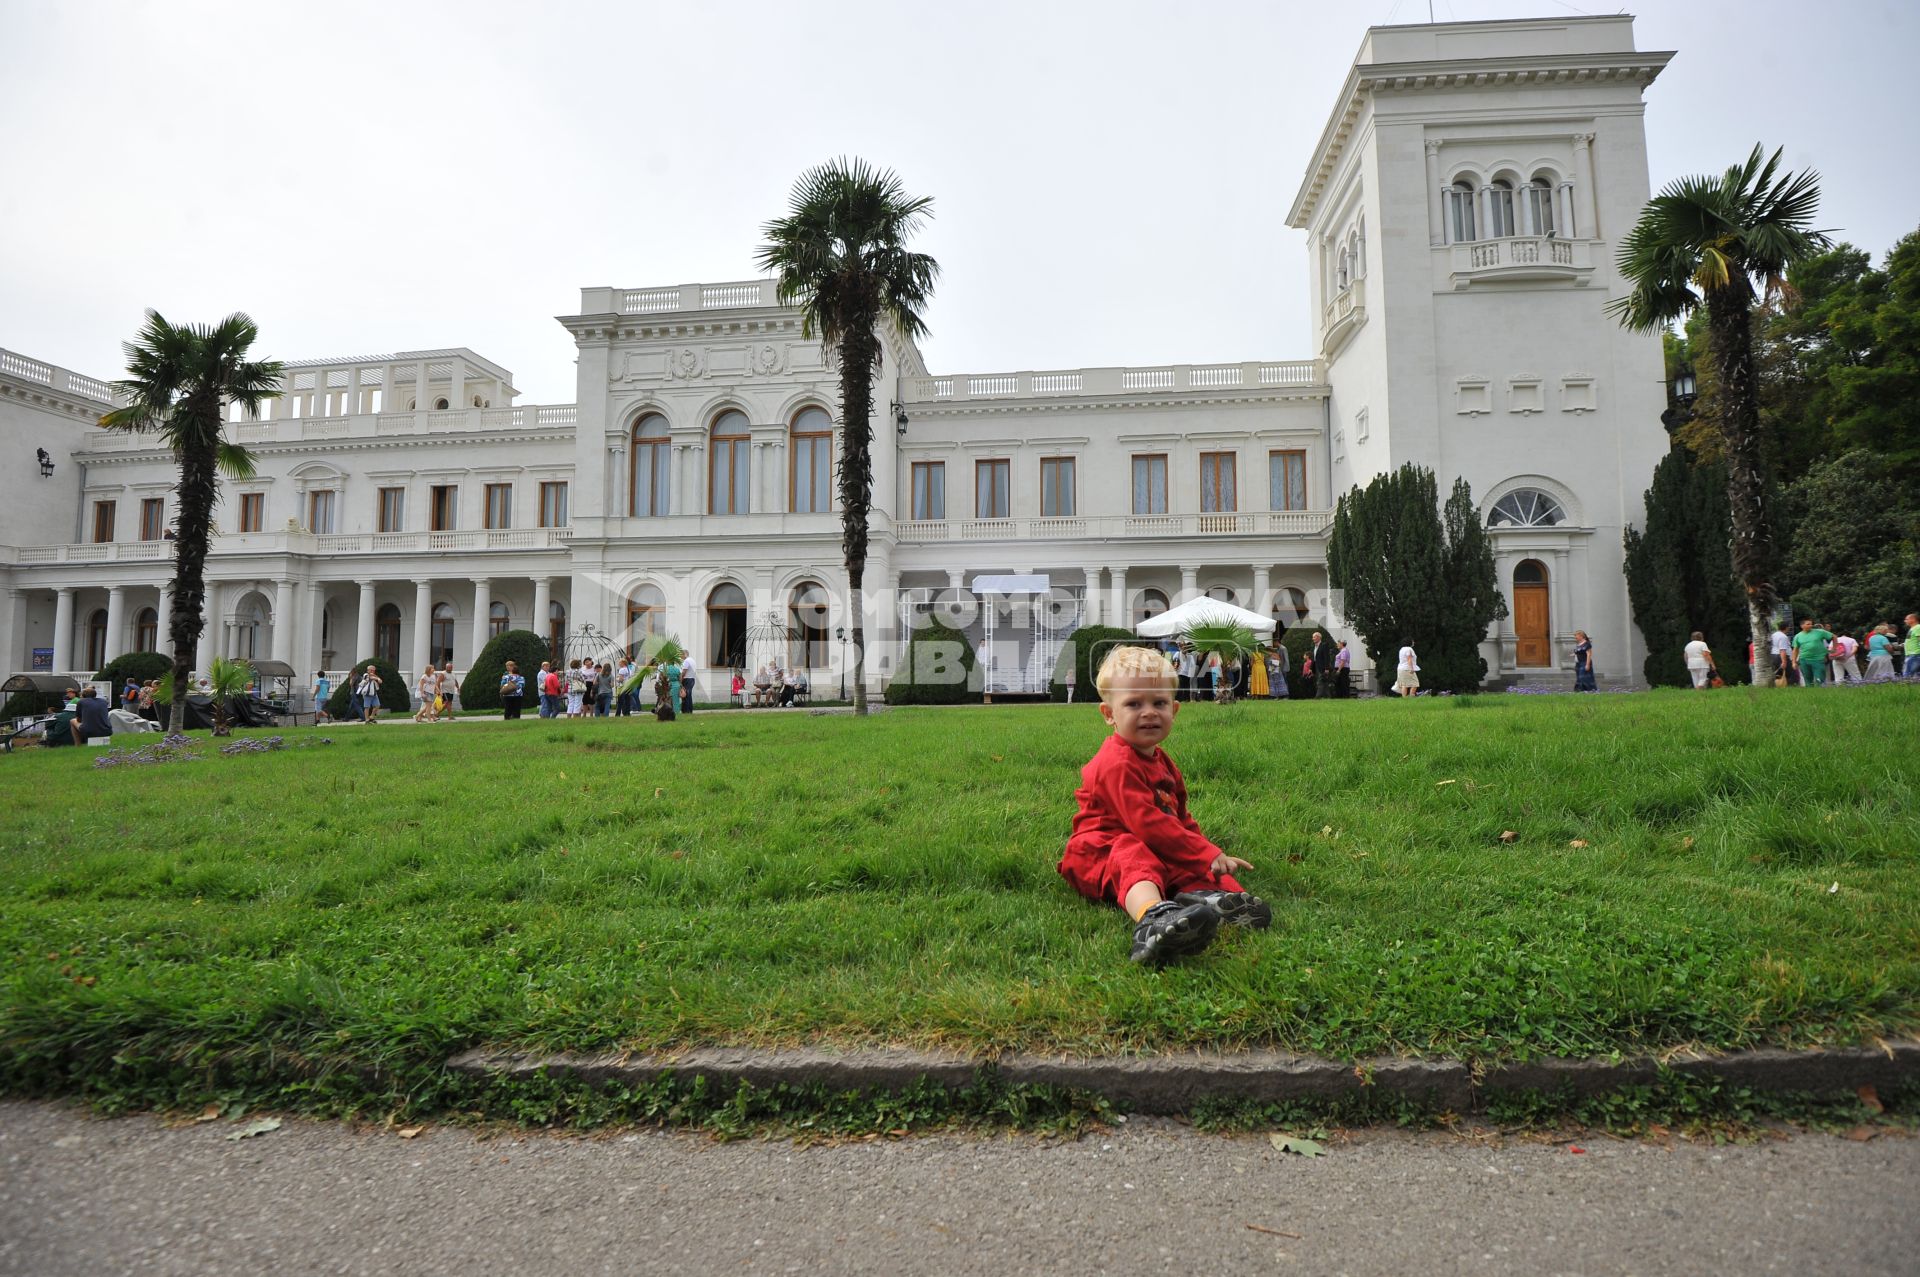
(1810, 650)
(1913, 645)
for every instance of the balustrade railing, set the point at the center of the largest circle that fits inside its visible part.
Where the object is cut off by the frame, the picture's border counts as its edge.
(1114, 381)
(1301, 523)
(737, 295)
(54, 377)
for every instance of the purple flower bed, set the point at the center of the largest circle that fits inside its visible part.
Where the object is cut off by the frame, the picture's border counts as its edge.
(178, 748)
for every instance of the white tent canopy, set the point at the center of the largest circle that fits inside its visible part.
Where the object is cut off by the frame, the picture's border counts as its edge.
(1202, 611)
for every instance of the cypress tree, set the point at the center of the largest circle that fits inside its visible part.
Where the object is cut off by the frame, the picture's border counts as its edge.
(1387, 555)
(1680, 571)
(1472, 601)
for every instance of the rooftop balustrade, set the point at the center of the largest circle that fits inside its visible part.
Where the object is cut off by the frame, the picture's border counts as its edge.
(1294, 523)
(556, 417)
(1303, 374)
(293, 541)
(55, 378)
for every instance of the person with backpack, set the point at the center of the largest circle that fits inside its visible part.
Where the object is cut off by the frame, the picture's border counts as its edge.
(366, 695)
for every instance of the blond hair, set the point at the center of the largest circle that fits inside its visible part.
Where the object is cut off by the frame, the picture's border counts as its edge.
(1134, 662)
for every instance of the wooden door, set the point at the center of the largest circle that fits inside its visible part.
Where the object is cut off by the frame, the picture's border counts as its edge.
(1530, 625)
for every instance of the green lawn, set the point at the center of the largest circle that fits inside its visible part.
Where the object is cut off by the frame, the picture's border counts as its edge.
(375, 904)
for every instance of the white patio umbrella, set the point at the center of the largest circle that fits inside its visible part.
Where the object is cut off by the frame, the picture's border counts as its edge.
(1204, 610)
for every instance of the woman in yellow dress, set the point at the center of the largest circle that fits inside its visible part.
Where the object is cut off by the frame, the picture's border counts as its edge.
(1257, 673)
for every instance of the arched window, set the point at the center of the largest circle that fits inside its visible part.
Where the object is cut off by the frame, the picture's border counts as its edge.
(649, 487)
(1526, 508)
(807, 613)
(1460, 212)
(557, 628)
(386, 633)
(1150, 603)
(726, 626)
(1500, 209)
(729, 472)
(440, 405)
(1360, 250)
(1289, 606)
(1540, 207)
(1341, 277)
(812, 454)
(146, 631)
(96, 640)
(1530, 572)
(499, 620)
(646, 615)
(440, 638)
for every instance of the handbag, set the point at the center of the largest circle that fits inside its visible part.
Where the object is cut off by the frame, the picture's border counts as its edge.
(1717, 681)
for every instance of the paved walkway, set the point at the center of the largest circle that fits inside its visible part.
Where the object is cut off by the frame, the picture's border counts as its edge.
(82, 1196)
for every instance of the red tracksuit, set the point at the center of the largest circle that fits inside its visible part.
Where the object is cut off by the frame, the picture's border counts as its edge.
(1133, 826)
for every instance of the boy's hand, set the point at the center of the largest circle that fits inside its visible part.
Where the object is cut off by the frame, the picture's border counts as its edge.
(1225, 864)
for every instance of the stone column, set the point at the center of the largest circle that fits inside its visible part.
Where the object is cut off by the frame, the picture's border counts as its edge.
(353, 399)
(209, 630)
(116, 622)
(1561, 622)
(363, 624)
(457, 386)
(1563, 211)
(1483, 210)
(482, 615)
(542, 604)
(12, 653)
(1090, 606)
(1261, 584)
(310, 657)
(1122, 605)
(1587, 224)
(420, 400)
(1189, 584)
(389, 393)
(283, 621)
(1436, 196)
(422, 619)
(62, 629)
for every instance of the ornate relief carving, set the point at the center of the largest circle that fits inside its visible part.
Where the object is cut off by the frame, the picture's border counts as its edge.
(768, 359)
(687, 363)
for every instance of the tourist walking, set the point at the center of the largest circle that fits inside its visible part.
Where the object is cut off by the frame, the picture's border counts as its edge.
(673, 682)
(322, 690)
(1277, 672)
(1912, 667)
(622, 698)
(1322, 664)
(1406, 672)
(366, 695)
(1780, 644)
(449, 690)
(1699, 659)
(427, 687)
(1583, 663)
(1879, 655)
(513, 687)
(1188, 666)
(1810, 653)
(1342, 670)
(686, 684)
(148, 691)
(576, 688)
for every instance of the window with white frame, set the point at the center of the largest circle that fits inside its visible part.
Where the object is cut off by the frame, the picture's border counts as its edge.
(1150, 483)
(1056, 487)
(930, 490)
(1287, 479)
(1500, 209)
(1460, 227)
(393, 510)
(729, 473)
(1219, 494)
(990, 489)
(652, 458)
(1540, 206)
(553, 504)
(322, 507)
(812, 461)
(499, 505)
(1526, 508)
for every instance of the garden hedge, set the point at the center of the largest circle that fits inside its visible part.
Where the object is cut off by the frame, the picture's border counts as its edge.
(480, 689)
(927, 675)
(140, 666)
(394, 693)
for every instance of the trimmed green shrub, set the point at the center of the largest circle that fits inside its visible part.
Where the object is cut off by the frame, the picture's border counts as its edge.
(939, 669)
(140, 666)
(394, 694)
(1091, 643)
(23, 704)
(480, 689)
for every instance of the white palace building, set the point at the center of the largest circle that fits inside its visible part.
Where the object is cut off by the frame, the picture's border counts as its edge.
(1462, 210)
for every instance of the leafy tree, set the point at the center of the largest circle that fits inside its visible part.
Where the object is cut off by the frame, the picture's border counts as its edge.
(1702, 243)
(180, 380)
(1853, 558)
(1090, 645)
(1473, 600)
(1680, 571)
(135, 665)
(841, 255)
(1409, 577)
(481, 687)
(939, 668)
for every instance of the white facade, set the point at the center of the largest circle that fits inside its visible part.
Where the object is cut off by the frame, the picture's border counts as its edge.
(404, 506)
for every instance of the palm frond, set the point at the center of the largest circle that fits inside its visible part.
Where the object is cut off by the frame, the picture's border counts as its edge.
(234, 461)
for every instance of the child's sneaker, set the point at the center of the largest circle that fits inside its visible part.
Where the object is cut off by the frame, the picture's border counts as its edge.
(1236, 908)
(1174, 929)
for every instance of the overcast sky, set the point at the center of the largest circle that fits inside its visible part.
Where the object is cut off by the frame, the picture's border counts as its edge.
(1110, 178)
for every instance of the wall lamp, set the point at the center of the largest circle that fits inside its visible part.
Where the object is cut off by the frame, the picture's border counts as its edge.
(899, 417)
(46, 462)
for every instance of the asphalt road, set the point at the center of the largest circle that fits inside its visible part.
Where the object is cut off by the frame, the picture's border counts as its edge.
(85, 1196)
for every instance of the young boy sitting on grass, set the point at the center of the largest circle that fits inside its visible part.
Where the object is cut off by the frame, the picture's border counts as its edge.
(1133, 842)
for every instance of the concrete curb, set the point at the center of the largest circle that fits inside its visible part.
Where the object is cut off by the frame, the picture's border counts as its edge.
(1173, 1083)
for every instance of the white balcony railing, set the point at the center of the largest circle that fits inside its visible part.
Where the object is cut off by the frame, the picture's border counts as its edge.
(54, 377)
(1296, 523)
(479, 421)
(1522, 257)
(1173, 378)
(738, 295)
(295, 543)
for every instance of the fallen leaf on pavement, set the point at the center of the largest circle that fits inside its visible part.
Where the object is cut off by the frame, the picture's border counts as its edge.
(1575, 1148)
(1508, 835)
(259, 1126)
(411, 1132)
(1860, 1134)
(1294, 1144)
(211, 1113)
(1871, 1098)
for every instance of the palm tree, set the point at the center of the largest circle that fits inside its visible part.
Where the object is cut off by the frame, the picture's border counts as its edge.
(840, 255)
(1704, 242)
(226, 679)
(180, 378)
